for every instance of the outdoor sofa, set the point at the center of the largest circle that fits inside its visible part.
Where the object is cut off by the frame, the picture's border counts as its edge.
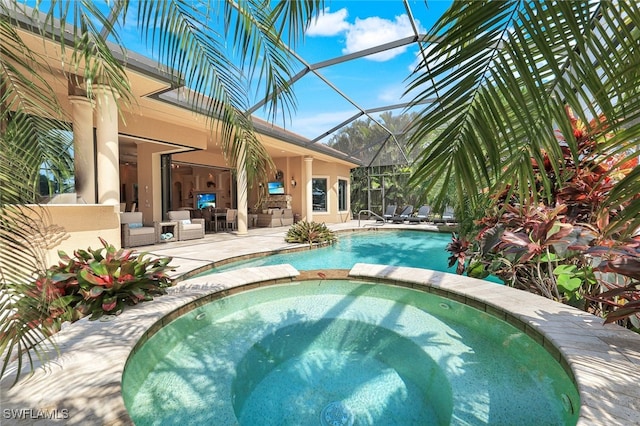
(271, 218)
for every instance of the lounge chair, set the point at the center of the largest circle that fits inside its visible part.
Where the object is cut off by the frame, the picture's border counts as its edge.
(404, 215)
(447, 216)
(424, 212)
(390, 213)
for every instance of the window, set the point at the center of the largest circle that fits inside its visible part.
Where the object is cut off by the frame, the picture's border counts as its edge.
(342, 195)
(319, 194)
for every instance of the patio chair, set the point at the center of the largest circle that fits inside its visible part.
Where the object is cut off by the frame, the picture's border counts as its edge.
(231, 220)
(390, 212)
(447, 216)
(286, 219)
(270, 218)
(424, 212)
(209, 221)
(188, 229)
(132, 231)
(404, 214)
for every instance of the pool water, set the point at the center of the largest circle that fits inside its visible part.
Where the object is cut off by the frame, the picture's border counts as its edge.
(342, 352)
(418, 249)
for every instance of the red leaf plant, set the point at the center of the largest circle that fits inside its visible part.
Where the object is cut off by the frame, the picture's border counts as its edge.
(524, 242)
(93, 282)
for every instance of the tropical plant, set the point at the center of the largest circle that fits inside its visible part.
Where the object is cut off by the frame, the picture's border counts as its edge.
(502, 74)
(546, 248)
(224, 65)
(622, 291)
(104, 280)
(388, 163)
(310, 232)
(93, 282)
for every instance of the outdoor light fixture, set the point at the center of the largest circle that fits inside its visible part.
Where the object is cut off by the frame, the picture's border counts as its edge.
(293, 182)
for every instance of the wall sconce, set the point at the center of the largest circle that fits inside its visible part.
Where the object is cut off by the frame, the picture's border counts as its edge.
(293, 182)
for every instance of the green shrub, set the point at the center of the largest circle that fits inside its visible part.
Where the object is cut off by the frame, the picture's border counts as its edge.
(310, 232)
(96, 282)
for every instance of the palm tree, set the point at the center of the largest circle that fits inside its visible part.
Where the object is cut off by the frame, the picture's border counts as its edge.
(388, 162)
(504, 74)
(183, 36)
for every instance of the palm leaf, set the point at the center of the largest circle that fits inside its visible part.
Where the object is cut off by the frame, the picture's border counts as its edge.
(183, 36)
(223, 64)
(503, 74)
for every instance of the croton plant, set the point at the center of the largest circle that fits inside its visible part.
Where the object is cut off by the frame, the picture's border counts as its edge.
(95, 282)
(558, 248)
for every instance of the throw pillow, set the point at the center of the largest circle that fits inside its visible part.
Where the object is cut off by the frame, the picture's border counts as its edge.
(135, 225)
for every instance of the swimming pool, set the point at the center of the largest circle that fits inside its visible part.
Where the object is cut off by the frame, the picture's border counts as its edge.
(344, 352)
(402, 248)
(418, 249)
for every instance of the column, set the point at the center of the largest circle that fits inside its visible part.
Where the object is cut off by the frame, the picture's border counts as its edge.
(308, 175)
(83, 151)
(107, 146)
(241, 190)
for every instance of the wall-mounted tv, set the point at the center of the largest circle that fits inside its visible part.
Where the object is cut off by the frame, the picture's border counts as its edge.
(276, 188)
(205, 199)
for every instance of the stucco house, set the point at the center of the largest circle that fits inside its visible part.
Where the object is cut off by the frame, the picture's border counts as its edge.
(156, 154)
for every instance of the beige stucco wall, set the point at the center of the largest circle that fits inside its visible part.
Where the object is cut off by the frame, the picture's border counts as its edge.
(332, 172)
(69, 227)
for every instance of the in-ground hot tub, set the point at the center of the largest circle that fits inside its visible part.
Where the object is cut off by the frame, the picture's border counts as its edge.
(344, 352)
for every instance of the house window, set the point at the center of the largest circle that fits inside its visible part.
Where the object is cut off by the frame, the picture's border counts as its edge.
(319, 194)
(342, 195)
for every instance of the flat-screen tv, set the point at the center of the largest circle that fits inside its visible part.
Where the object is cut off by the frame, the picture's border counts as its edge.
(205, 199)
(276, 188)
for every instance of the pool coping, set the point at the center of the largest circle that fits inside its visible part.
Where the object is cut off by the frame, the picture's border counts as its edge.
(85, 377)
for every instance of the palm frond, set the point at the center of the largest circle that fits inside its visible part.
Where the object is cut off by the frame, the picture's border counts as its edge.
(505, 72)
(23, 87)
(186, 37)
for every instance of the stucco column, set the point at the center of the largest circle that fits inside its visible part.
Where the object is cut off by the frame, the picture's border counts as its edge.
(107, 146)
(241, 190)
(83, 152)
(308, 175)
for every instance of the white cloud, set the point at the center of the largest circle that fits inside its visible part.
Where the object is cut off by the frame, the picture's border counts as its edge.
(329, 24)
(315, 124)
(364, 33)
(373, 31)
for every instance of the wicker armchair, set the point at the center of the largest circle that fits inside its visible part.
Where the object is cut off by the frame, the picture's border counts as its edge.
(270, 218)
(132, 231)
(287, 217)
(188, 229)
(275, 217)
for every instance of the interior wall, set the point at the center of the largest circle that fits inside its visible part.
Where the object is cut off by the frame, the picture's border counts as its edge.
(129, 185)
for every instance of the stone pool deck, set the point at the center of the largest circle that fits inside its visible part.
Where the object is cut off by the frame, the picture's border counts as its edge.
(82, 384)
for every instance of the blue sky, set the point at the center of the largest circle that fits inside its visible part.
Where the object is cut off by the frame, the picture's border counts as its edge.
(343, 27)
(347, 27)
